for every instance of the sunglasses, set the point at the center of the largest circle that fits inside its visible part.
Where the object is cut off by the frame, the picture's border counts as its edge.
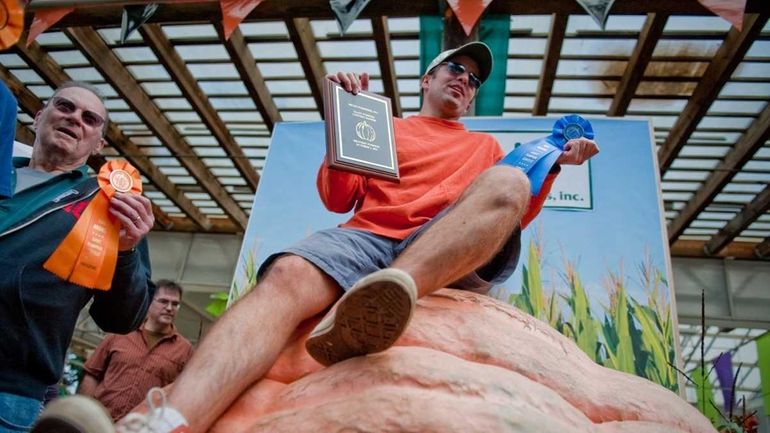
(65, 106)
(457, 69)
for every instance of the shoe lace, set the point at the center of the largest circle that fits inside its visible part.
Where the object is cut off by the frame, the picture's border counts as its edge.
(144, 423)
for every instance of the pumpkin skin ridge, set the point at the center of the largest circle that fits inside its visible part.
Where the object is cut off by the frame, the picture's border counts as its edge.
(489, 335)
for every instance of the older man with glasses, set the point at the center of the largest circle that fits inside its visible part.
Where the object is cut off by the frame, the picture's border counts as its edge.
(453, 220)
(38, 309)
(124, 367)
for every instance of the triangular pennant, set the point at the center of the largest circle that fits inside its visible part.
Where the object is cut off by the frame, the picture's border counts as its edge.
(234, 11)
(44, 19)
(346, 11)
(731, 10)
(723, 366)
(468, 12)
(599, 10)
(133, 18)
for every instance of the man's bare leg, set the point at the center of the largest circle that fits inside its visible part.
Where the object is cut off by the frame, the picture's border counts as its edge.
(246, 341)
(376, 310)
(471, 233)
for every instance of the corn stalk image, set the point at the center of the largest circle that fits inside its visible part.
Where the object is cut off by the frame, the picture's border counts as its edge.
(627, 335)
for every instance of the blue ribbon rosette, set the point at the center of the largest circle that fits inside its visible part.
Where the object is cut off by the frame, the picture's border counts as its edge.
(536, 157)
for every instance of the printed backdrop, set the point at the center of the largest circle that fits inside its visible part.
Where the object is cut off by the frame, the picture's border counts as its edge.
(594, 264)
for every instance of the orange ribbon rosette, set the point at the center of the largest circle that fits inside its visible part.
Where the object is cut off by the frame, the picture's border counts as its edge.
(88, 254)
(11, 23)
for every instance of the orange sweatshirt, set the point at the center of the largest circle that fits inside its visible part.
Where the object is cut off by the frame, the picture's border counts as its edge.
(437, 159)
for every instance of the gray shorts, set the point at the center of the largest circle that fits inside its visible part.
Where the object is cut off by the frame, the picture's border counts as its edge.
(348, 255)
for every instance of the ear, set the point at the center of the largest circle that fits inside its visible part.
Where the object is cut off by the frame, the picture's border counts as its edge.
(99, 146)
(37, 119)
(424, 82)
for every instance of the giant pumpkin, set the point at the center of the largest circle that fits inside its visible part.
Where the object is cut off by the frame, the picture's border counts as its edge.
(466, 363)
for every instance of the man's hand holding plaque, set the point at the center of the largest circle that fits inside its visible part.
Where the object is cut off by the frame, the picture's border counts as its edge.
(359, 128)
(571, 142)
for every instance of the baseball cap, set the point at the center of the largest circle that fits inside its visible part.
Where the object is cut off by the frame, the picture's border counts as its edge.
(478, 51)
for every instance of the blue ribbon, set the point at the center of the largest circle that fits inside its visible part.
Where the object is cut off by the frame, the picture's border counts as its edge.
(536, 157)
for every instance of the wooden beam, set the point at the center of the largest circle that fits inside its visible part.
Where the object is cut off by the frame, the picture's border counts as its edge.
(91, 44)
(743, 219)
(550, 62)
(176, 67)
(387, 68)
(54, 75)
(753, 140)
(693, 248)
(218, 225)
(109, 12)
(637, 64)
(720, 69)
(301, 35)
(24, 135)
(762, 250)
(251, 76)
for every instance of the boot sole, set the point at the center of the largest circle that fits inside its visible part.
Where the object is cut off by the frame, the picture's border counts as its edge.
(74, 414)
(369, 320)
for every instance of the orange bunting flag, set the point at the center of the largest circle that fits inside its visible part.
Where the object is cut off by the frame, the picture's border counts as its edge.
(88, 254)
(11, 23)
(44, 19)
(731, 10)
(234, 11)
(468, 12)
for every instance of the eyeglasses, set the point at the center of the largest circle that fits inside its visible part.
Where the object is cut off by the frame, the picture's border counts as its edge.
(459, 69)
(64, 105)
(166, 302)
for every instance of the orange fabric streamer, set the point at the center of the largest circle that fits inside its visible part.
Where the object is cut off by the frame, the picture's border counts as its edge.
(233, 12)
(44, 19)
(88, 254)
(731, 10)
(468, 12)
(11, 23)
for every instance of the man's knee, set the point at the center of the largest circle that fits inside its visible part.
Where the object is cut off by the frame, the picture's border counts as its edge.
(291, 276)
(507, 186)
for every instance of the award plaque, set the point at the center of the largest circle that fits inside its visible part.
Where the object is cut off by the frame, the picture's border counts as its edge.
(359, 132)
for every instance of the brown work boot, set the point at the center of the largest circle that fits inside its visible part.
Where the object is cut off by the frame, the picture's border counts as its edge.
(74, 414)
(368, 318)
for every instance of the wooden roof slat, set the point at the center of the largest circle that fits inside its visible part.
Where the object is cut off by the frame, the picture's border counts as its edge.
(92, 45)
(762, 250)
(387, 68)
(637, 64)
(251, 76)
(31, 104)
(24, 135)
(726, 59)
(301, 34)
(109, 12)
(745, 217)
(722, 174)
(168, 56)
(550, 62)
(696, 249)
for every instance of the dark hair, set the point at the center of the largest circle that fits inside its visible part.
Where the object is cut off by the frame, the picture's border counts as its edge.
(91, 88)
(169, 285)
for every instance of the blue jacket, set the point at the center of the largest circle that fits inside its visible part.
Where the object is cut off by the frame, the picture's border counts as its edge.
(38, 310)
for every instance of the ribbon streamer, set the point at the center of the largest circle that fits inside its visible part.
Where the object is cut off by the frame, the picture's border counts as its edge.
(233, 12)
(599, 10)
(536, 157)
(45, 19)
(468, 12)
(11, 23)
(346, 11)
(88, 254)
(133, 18)
(731, 10)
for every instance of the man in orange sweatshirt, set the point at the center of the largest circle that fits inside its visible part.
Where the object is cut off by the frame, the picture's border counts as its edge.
(454, 219)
